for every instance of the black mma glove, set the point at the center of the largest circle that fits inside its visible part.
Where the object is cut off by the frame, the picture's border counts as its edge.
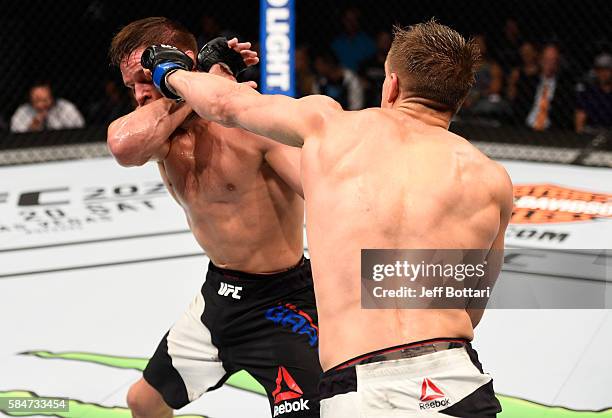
(163, 60)
(217, 52)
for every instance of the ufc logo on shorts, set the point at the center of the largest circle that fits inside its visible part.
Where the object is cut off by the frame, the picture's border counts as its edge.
(227, 289)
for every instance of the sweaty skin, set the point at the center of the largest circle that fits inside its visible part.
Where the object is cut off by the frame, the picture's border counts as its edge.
(236, 188)
(377, 178)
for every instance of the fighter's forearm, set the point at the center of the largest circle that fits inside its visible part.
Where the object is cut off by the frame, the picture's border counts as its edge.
(207, 94)
(238, 105)
(141, 135)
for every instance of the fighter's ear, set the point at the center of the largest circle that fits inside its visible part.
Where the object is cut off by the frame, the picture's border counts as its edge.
(191, 55)
(394, 89)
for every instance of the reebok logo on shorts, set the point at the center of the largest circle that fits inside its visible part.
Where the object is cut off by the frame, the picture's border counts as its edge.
(431, 396)
(287, 389)
(227, 289)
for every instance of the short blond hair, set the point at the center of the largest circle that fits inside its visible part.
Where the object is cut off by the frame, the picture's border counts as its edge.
(434, 62)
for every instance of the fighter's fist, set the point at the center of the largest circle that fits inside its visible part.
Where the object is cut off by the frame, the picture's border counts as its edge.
(163, 60)
(218, 51)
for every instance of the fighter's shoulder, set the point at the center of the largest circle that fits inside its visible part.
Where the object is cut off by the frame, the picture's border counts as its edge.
(502, 185)
(495, 177)
(490, 173)
(371, 117)
(464, 147)
(318, 108)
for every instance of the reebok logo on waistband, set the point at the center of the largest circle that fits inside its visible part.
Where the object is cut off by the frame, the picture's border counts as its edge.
(227, 289)
(431, 396)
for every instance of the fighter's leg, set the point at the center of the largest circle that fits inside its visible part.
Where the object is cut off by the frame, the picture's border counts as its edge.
(146, 402)
(185, 365)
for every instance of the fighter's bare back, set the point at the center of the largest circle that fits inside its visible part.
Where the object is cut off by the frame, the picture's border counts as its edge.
(381, 179)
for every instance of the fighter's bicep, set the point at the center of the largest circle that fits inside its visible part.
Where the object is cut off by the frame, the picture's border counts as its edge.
(292, 122)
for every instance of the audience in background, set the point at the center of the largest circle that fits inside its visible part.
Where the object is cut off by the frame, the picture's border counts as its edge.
(546, 101)
(527, 73)
(44, 112)
(304, 76)
(116, 103)
(515, 82)
(594, 104)
(353, 45)
(211, 29)
(372, 71)
(337, 82)
(485, 98)
(507, 46)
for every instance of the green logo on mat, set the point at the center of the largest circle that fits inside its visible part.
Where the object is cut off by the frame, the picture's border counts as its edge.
(512, 407)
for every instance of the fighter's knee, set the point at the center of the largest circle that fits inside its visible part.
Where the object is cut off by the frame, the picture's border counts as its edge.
(144, 401)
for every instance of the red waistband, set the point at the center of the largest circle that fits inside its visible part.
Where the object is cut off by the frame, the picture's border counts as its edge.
(363, 357)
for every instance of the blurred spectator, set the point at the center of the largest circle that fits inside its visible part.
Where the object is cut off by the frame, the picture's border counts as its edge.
(546, 101)
(485, 98)
(594, 105)
(337, 82)
(507, 47)
(44, 112)
(210, 29)
(116, 103)
(526, 74)
(304, 77)
(372, 71)
(353, 45)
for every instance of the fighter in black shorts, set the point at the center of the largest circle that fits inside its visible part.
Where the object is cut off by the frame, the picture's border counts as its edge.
(241, 195)
(264, 324)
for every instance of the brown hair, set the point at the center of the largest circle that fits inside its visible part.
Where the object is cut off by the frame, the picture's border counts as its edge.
(434, 62)
(150, 31)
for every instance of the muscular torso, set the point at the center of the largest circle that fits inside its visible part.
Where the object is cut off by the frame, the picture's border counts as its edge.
(240, 212)
(378, 180)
